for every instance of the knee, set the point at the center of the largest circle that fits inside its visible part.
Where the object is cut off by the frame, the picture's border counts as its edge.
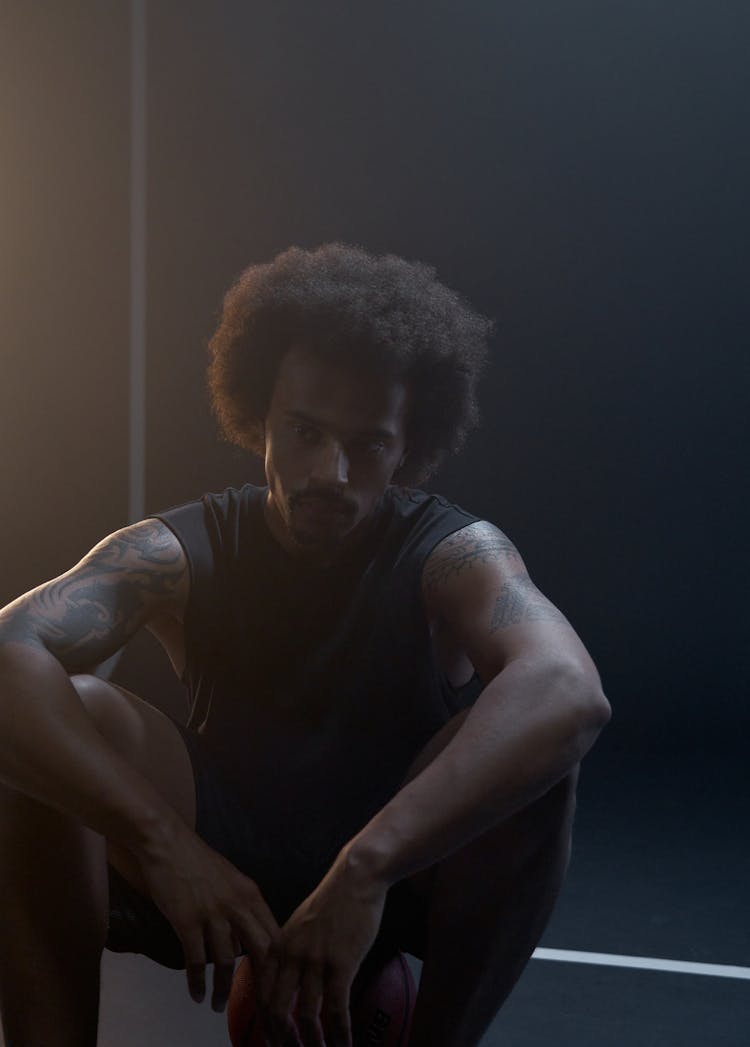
(553, 813)
(95, 695)
(105, 704)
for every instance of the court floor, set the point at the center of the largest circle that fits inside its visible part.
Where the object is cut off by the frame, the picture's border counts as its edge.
(649, 944)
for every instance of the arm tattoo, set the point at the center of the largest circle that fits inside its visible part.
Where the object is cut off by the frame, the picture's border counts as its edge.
(519, 601)
(90, 612)
(478, 543)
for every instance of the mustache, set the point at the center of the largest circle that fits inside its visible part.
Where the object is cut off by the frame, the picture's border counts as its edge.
(327, 498)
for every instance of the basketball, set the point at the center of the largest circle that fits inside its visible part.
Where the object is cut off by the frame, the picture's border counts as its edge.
(382, 1005)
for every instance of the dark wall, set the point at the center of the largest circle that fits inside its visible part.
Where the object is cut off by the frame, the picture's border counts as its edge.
(578, 171)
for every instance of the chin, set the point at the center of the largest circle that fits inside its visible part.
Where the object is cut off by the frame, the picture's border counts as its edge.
(315, 540)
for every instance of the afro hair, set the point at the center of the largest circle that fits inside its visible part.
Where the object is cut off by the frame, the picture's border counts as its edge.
(378, 312)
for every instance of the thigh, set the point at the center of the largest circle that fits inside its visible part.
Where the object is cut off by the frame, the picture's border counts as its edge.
(143, 735)
(150, 742)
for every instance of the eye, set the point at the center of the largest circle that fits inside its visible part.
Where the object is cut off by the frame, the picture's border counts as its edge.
(370, 447)
(304, 432)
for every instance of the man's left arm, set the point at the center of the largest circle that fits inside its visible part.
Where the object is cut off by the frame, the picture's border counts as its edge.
(540, 711)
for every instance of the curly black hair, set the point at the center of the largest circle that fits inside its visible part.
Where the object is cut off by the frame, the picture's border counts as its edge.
(347, 304)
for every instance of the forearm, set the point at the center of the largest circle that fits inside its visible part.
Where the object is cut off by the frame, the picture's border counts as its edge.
(526, 731)
(51, 750)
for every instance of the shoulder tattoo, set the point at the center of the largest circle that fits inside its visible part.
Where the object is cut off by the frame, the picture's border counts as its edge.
(104, 599)
(478, 543)
(518, 601)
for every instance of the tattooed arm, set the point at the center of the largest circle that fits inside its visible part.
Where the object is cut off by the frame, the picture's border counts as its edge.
(91, 611)
(541, 709)
(475, 584)
(49, 747)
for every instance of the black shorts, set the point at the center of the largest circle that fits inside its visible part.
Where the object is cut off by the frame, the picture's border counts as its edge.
(136, 925)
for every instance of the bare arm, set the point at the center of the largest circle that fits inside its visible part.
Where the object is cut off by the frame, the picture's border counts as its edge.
(49, 748)
(540, 712)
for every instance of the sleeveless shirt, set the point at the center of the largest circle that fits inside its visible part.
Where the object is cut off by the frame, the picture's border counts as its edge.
(314, 689)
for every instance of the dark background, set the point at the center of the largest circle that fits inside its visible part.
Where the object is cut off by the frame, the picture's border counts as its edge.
(578, 171)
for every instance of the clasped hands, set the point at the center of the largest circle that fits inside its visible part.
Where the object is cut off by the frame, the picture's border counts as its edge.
(303, 971)
(306, 978)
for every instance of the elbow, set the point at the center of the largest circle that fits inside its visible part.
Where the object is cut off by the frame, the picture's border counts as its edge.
(603, 709)
(593, 717)
(594, 706)
(589, 705)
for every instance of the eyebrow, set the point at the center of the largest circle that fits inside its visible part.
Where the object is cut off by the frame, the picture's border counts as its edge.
(381, 434)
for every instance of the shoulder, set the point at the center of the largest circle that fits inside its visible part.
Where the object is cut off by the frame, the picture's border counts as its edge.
(83, 616)
(476, 587)
(213, 527)
(144, 558)
(469, 555)
(228, 506)
(423, 519)
(148, 541)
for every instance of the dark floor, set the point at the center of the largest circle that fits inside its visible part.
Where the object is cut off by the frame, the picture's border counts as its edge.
(660, 869)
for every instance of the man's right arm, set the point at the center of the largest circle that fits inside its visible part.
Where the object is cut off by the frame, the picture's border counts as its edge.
(49, 746)
(51, 750)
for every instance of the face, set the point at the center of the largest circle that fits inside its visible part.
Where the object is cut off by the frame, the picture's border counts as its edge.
(334, 438)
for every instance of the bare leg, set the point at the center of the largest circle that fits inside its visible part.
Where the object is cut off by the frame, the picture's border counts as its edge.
(53, 920)
(53, 881)
(488, 906)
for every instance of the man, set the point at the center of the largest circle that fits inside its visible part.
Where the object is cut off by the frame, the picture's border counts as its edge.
(387, 716)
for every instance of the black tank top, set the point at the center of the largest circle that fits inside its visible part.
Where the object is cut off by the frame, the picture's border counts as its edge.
(313, 688)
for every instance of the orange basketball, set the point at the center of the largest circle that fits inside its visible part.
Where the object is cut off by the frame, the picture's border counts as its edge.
(382, 1005)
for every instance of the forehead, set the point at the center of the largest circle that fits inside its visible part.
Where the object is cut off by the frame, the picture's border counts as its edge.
(338, 393)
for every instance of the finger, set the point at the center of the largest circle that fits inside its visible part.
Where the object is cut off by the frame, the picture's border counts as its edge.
(336, 1017)
(254, 939)
(307, 1011)
(265, 982)
(221, 951)
(282, 1001)
(195, 965)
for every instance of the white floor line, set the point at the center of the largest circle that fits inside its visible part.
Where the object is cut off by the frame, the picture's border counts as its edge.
(646, 963)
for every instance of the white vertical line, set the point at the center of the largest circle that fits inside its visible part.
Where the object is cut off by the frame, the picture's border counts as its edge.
(137, 355)
(137, 444)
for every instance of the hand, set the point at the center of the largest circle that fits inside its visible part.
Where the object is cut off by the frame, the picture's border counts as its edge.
(316, 957)
(215, 910)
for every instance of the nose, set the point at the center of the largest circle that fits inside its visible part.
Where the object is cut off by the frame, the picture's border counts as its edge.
(331, 464)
